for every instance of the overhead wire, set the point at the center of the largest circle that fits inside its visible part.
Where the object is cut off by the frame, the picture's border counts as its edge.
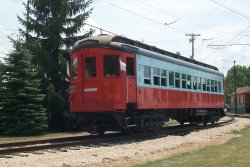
(145, 17)
(234, 11)
(182, 19)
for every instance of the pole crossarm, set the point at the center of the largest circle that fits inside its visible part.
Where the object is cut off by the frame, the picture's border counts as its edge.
(192, 41)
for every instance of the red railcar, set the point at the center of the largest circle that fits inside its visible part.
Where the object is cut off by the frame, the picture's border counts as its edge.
(118, 83)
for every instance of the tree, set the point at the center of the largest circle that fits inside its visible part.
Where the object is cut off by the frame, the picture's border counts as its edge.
(242, 78)
(54, 26)
(22, 111)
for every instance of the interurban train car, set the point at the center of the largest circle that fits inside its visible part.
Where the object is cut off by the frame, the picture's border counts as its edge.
(118, 83)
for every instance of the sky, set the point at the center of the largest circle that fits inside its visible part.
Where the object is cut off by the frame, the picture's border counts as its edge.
(164, 24)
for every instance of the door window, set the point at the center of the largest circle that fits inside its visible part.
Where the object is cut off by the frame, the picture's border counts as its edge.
(90, 67)
(111, 65)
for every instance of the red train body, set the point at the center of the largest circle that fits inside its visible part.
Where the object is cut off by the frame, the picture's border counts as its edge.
(118, 84)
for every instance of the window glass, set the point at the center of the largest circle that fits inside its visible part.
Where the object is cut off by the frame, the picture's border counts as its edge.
(74, 68)
(156, 76)
(130, 66)
(184, 81)
(177, 80)
(208, 85)
(194, 83)
(199, 83)
(212, 85)
(219, 86)
(163, 78)
(111, 65)
(90, 67)
(203, 82)
(216, 86)
(189, 86)
(171, 78)
(147, 76)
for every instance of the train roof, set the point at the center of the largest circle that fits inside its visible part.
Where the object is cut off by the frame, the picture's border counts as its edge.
(129, 45)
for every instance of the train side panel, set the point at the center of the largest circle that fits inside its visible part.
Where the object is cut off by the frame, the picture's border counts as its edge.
(156, 92)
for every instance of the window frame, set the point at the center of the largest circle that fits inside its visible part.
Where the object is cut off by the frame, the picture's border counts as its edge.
(112, 74)
(85, 65)
(74, 68)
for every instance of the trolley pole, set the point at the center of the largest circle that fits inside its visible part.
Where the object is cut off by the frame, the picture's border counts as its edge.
(191, 40)
(235, 99)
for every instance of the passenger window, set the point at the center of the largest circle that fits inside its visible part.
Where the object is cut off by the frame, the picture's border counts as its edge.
(90, 67)
(171, 78)
(215, 86)
(156, 76)
(194, 83)
(184, 81)
(111, 65)
(203, 81)
(163, 78)
(189, 86)
(212, 85)
(219, 85)
(130, 66)
(74, 68)
(147, 76)
(199, 83)
(208, 85)
(177, 80)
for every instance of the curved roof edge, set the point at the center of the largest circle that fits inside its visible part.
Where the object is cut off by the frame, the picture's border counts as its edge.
(129, 45)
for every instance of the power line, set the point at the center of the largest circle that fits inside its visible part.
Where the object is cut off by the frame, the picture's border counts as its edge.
(140, 15)
(234, 11)
(178, 18)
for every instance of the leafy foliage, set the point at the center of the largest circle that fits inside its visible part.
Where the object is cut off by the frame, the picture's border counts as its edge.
(22, 111)
(54, 26)
(242, 79)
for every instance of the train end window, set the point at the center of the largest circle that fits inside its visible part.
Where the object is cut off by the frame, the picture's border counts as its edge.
(74, 68)
(111, 65)
(130, 70)
(90, 67)
(147, 76)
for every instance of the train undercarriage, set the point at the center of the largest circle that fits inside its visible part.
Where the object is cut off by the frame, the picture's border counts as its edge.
(141, 120)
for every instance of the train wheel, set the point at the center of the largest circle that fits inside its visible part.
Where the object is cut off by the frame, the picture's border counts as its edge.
(182, 123)
(204, 120)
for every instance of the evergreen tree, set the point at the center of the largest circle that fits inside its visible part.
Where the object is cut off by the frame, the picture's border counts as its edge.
(54, 27)
(22, 111)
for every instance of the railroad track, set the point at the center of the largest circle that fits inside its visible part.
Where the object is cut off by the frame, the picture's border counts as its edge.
(10, 149)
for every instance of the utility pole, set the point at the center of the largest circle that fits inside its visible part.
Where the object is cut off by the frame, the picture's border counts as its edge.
(191, 40)
(235, 95)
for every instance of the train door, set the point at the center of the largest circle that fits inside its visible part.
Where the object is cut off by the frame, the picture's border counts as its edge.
(90, 79)
(130, 79)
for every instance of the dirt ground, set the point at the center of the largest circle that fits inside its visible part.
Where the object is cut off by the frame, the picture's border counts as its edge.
(130, 153)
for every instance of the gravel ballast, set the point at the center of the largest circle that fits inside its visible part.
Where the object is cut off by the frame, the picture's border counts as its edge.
(129, 153)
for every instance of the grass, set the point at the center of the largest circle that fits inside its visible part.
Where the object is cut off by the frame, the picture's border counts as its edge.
(235, 153)
(171, 122)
